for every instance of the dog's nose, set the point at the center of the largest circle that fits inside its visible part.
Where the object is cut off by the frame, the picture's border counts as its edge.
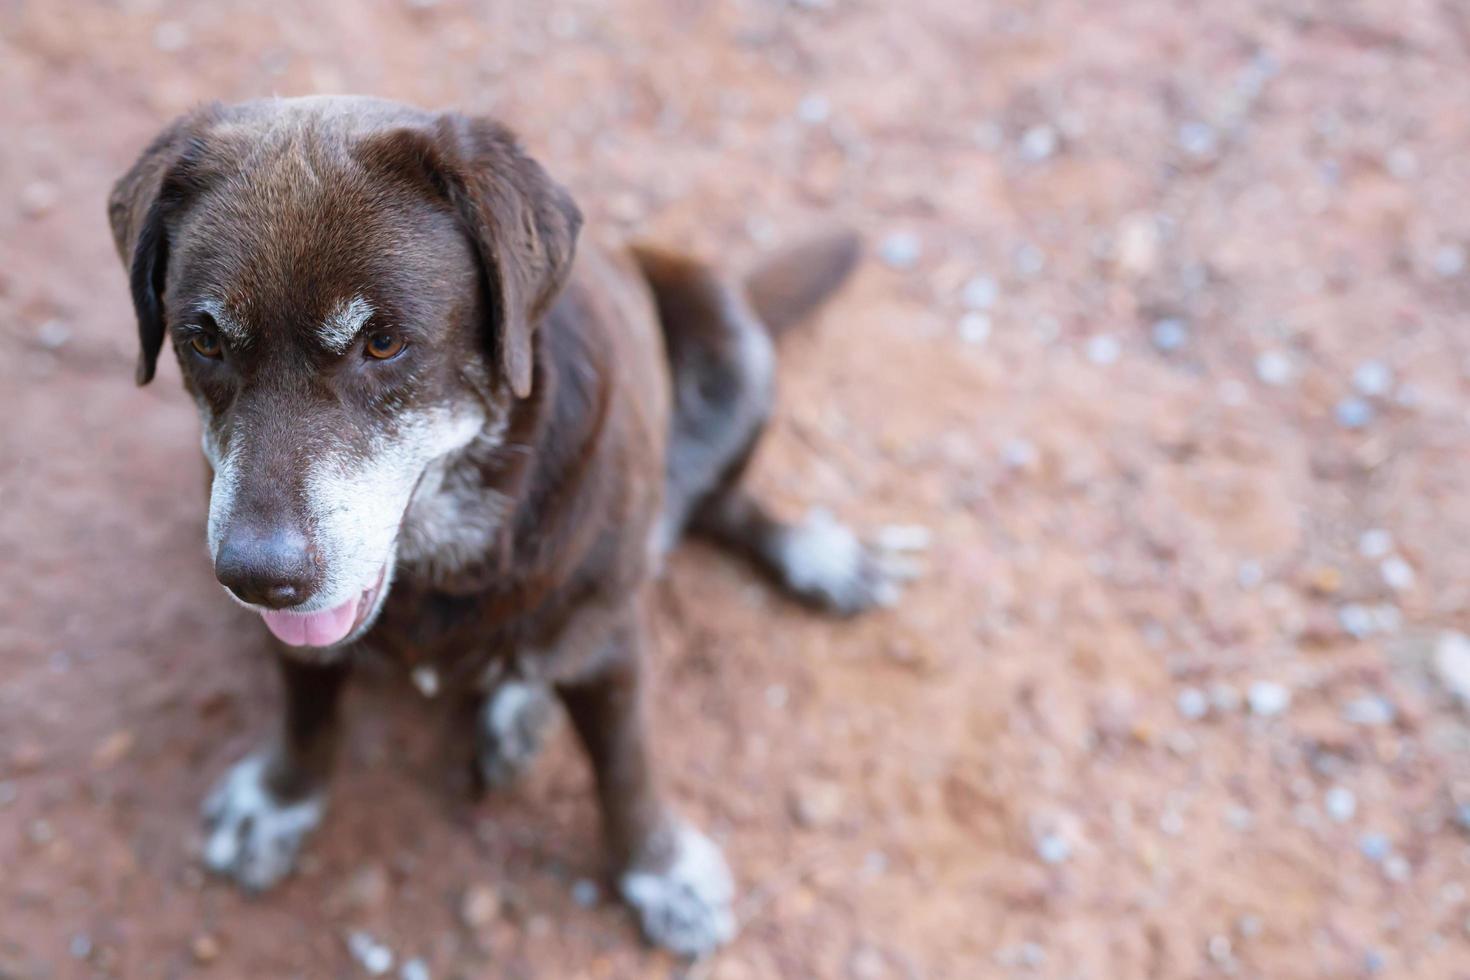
(274, 568)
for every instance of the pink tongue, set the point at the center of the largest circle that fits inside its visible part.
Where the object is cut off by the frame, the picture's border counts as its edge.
(315, 629)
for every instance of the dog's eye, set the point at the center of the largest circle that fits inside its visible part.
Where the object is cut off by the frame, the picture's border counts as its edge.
(384, 345)
(207, 344)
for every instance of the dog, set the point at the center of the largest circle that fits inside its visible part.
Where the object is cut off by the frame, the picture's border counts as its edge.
(440, 430)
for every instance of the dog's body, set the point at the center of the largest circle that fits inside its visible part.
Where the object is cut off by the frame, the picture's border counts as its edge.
(440, 430)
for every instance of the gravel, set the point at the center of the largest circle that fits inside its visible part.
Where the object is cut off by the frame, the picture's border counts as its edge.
(1449, 260)
(1340, 803)
(586, 893)
(1192, 703)
(1268, 699)
(1397, 573)
(1039, 143)
(975, 328)
(1375, 543)
(1452, 664)
(1353, 413)
(900, 250)
(1169, 334)
(375, 958)
(1103, 349)
(1374, 846)
(1053, 848)
(980, 293)
(1372, 379)
(1275, 368)
(1369, 710)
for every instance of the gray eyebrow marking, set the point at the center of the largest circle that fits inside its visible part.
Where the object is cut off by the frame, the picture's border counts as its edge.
(233, 328)
(343, 324)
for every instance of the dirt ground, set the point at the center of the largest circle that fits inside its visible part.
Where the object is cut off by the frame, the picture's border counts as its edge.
(1162, 334)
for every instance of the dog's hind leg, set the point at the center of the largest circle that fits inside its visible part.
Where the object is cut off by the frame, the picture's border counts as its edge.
(722, 356)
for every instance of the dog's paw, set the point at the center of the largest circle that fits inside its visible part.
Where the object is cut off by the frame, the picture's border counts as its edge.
(513, 724)
(826, 564)
(683, 899)
(250, 835)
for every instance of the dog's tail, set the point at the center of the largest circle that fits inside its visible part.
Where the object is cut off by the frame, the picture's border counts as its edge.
(788, 285)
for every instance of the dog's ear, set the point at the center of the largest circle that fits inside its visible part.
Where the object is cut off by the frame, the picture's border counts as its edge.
(138, 208)
(523, 224)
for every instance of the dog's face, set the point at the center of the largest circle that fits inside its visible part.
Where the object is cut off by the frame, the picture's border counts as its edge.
(351, 289)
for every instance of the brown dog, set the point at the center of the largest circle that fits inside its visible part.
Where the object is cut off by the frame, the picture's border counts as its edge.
(435, 434)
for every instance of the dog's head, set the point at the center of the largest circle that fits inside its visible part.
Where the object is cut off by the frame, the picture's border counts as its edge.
(351, 290)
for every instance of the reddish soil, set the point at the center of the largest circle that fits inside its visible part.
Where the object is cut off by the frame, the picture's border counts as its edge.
(1134, 524)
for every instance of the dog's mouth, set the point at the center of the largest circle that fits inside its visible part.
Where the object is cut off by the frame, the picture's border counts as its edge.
(325, 627)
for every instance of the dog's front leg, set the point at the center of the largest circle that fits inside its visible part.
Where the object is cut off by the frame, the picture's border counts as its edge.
(672, 875)
(263, 809)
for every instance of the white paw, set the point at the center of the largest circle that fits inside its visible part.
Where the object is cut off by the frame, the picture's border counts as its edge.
(252, 837)
(513, 725)
(826, 563)
(684, 904)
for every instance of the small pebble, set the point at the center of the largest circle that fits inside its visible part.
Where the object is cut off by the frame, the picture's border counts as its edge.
(814, 109)
(585, 893)
(1449, 260)
(170, 36)
(817, 803)
(38, 197)
(1268, 699)
(479, 906)
(1369, 710)
(1375, 543)
(1374, 962)
(375, 958)
(1171, 823)
(1340, 804)
(204, 948)
(1239, 818)
(1169, 334)
(1452, 664)
(1019, 454)
(1192, 703)
(1029, 260)
(980, 293)
(1219, 948)
(1462, 816)
(53, 334)
(8, 793)
(1353, 413)
(1249, 574)
(1275, 368)
(414, 969)
(1401, 163)
(975, 328)
(1249, 926)
(1374, 846)
(1198, 139)
(900, 250)
(80, 946)
(1397, 867)
(1038, 143)
(1372, 379)
(1031, 956)
(1053, 849)
(777, 696)
(1103, 349)
(1397, 573)
(426, 679)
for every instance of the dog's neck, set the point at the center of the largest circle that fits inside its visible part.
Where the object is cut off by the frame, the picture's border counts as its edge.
(480, 517)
